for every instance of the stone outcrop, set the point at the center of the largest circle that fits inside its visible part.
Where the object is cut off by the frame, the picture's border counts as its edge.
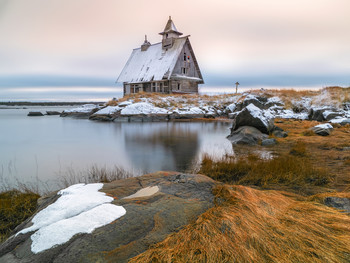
(254, 117)
(168, 201)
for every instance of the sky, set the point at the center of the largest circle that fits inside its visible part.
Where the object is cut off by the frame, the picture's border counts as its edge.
(87, 42)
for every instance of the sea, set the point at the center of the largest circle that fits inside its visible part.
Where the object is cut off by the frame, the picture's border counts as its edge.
(41, 152)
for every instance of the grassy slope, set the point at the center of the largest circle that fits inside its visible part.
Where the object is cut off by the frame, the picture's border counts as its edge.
(249, 225)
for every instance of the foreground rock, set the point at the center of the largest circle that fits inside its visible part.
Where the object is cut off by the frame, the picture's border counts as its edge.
(338, 202)
(157, 205)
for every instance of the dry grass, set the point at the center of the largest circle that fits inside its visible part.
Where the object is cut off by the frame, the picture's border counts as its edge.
(328, 152)
(293, 169)
(248, 225)
(15, 207)
(95, 174)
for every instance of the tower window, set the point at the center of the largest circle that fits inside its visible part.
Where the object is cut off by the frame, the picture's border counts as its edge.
(185, 56)
(178, 86)
(183, 70)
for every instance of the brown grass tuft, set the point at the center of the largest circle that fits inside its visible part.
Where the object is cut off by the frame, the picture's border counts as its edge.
(15, 207)
(248, 225)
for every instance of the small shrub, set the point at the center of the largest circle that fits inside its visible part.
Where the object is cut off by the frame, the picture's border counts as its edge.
(299, 149)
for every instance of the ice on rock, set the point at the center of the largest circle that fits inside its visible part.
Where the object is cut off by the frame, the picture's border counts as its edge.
(80, 209)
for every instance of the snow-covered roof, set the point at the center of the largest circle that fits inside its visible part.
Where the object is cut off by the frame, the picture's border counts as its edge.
(152, 64)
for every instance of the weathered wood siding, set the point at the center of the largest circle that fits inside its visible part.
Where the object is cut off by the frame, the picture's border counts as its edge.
(192, 72)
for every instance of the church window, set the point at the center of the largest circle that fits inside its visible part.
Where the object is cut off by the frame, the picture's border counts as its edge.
(185, 56)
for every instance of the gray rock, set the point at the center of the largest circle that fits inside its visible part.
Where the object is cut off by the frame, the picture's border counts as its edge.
(254, 117)
(338, 202)
(53, 113)
(269, 142)
(316, 114)
(35, 113)
(101, 117)
(148, 220)
(246, 135)
(80, 115)
(322, 129)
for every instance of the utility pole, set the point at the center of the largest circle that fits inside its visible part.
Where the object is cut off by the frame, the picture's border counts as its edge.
(237, 83)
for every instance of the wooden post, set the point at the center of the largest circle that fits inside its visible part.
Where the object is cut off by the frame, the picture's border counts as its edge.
(237, 83)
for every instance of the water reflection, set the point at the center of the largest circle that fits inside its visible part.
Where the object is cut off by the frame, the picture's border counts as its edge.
(172, 146)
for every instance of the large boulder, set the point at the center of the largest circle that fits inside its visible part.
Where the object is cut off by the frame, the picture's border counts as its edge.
(322, 129)
(156, 205)
(320, 114)
(247, 135)
(254, 117)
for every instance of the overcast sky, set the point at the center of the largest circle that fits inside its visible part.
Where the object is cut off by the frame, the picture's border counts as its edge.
(263, 42)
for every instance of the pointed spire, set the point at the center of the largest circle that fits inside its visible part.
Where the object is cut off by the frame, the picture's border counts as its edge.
(170, 28)
(146, 44)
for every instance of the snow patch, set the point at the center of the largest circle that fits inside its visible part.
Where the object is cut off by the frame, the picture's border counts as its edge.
(257, 113)
(77, 210)
(339, 120)
(275, 100)
(231, 107)
(109, 110)
(86, 108)
(324, 126)
(62, 231)
(142, 108)
(193, 110)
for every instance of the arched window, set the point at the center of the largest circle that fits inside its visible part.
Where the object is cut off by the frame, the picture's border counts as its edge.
(185, 56)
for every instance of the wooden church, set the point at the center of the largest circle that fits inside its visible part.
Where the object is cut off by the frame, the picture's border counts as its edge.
(166, 67)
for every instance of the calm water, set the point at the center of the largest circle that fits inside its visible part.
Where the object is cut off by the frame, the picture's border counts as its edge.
(43, 148)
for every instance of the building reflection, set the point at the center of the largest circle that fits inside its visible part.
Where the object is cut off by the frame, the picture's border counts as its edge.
(171, 146)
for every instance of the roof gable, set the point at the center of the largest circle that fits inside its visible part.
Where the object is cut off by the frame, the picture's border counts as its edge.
(152, 64)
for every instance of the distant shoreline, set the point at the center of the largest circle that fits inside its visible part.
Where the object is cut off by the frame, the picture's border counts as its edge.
(49, 103)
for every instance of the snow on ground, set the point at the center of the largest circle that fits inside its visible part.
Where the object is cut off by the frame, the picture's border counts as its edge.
(275, 100)
(80, 209)
(86, 108)
(340, 120)
(109, 110)
(142, 108)
(193, 110)
(231, 107)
